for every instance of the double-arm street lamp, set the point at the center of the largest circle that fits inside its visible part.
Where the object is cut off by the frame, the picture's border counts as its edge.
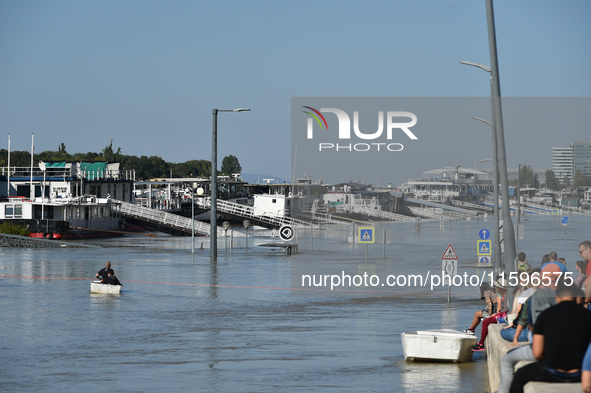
(497, 112)
(213, 237)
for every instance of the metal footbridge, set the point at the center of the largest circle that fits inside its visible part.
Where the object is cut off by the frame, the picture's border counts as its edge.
(373, 212)
(182, 224)
(248, 212)
(174, 222)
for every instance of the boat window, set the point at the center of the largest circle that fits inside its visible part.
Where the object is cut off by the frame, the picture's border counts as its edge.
(13, 211)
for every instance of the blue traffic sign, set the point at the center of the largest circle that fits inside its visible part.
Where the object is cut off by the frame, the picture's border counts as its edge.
(564, 220)
(484, 234)
(484, 247)
(366, 235)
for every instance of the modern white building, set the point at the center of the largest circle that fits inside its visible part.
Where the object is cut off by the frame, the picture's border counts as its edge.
(567, 160)
(562, 162)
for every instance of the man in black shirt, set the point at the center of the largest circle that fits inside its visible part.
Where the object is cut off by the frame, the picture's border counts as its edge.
(107, 275)
(561, 336)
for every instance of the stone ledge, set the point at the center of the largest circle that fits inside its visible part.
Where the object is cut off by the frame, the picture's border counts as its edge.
(545, 387)
(496, 348)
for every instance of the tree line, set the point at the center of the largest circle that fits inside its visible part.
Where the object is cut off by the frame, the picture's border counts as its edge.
(145, 167)
(527, 178)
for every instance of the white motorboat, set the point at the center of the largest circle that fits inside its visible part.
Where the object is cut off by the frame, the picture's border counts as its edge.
(99, 287)
(438, 344)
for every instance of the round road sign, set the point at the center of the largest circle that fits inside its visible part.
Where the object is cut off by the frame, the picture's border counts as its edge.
(286, 232)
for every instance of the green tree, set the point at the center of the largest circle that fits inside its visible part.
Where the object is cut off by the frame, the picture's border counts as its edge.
(551, 181)
(526, 176)
(580, 180)
(230, 165)
(109, 154)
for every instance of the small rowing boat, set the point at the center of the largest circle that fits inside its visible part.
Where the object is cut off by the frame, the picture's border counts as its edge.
(99, 287)
(438, 344)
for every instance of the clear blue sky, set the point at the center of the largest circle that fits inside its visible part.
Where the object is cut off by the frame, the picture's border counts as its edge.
(148, 73)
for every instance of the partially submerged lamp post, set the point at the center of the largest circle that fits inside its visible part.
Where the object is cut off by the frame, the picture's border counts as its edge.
(213, 237)
(226, 225)
(246, 224)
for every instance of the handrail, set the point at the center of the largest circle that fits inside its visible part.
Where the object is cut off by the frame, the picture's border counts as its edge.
(248, 212)
(375, 212)
(168, 219)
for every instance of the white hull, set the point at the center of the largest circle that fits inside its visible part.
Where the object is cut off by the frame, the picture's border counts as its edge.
(98, 287)
(440, 344)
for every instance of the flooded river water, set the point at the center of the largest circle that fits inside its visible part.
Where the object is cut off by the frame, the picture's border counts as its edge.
(182, 323)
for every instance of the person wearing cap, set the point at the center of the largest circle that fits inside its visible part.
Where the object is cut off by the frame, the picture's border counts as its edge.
(501, 287)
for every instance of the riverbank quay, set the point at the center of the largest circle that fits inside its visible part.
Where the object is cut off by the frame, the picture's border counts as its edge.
(497, 347)
(16, 241)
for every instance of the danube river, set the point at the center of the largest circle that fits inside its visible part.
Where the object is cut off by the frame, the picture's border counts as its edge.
(182, 323)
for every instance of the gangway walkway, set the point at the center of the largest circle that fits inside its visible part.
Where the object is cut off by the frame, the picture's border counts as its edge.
(372, 212)
(244, 211)
(170, 220)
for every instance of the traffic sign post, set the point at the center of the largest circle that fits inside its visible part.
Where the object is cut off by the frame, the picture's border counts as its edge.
(564, 222)
(484, 234)
(449, 266)
(366, 235)
(483, 247)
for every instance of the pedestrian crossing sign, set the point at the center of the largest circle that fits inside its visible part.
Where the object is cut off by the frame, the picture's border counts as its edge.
(484, 247)
(366, 235)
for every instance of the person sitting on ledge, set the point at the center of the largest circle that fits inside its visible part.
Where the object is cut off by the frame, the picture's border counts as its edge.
(493, 303)
(561, 336)
(107, 275)
(543, 298)
(499, 316)
(517, 330)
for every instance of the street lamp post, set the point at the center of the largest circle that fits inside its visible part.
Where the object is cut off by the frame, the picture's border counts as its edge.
(518, 197)
(226, 225)
(213, 237)
(508, 232)
(499, 154)
(246, 224)
(497, 255)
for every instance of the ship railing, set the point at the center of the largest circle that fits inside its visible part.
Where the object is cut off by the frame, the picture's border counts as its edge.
(107, 174)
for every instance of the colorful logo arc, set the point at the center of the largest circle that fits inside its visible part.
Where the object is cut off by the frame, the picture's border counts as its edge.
(316, 117)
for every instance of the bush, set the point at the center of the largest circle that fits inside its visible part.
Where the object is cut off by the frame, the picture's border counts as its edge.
(13, 229)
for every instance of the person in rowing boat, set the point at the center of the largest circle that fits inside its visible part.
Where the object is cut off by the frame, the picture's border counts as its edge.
(107, 275)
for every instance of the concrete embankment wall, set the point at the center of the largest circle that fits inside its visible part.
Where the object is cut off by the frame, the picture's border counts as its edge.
(497, 347)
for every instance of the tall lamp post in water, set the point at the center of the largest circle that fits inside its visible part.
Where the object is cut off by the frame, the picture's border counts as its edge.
(496, 243)
(499, 146)
(213, 235)
(497, 255)
(508, 232)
